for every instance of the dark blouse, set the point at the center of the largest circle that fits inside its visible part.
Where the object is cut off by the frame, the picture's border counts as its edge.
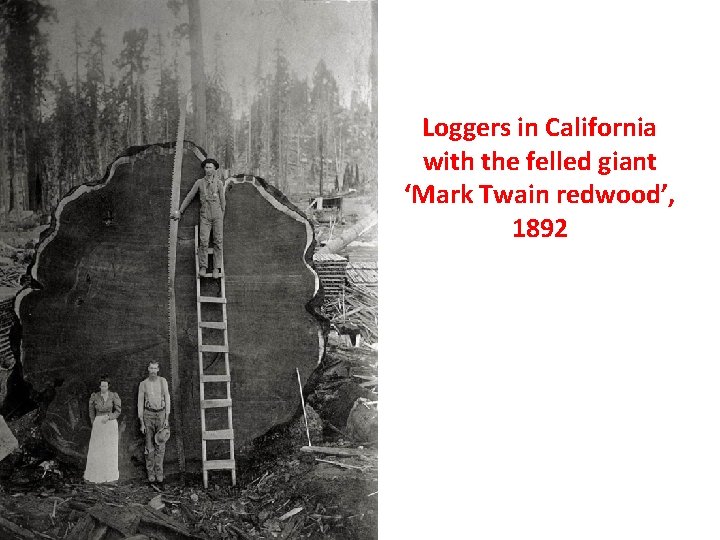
(100, 407)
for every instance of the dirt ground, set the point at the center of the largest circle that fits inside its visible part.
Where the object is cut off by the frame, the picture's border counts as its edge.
(330, 501)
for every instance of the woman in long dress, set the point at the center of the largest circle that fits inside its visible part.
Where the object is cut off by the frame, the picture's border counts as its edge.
(102, 457)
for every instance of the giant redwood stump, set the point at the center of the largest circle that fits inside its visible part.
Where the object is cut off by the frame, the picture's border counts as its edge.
(99, 304)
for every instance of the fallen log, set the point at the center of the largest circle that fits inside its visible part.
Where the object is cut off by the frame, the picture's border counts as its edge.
(357, 230)
(128, 522)
(341, 465)
(12, 530)
(334, 451)
(99, 303)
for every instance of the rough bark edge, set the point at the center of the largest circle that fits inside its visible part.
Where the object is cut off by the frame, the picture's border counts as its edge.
(278, 200)
(51, 232)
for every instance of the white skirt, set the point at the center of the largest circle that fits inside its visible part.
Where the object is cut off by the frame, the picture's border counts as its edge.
(102, 457)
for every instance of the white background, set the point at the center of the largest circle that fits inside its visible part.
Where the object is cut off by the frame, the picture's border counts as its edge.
(550, 388)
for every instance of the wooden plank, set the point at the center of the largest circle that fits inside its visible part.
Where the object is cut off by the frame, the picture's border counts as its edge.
(332, 451)
(213, 324)
(218, 435)
(214, 378)
(215, 464)
(209, 274)
(212, 300)
(214, 348)
(215, 403)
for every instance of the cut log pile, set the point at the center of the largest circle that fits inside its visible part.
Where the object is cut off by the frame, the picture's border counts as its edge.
(347, 375)
(16, 252)
(7, 301)
(363, 272)
(358, 308)
(7, 317)
(331, 269)
(10, 276)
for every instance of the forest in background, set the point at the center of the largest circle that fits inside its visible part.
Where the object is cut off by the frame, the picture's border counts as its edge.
(60, 130)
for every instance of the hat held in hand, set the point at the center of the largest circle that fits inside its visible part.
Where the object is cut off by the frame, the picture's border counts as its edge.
(162, 436)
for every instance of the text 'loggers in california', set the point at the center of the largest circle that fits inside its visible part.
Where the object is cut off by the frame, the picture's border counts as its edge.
(580, 126)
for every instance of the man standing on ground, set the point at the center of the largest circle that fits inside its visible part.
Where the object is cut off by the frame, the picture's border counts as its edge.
(212, 208)
(154, 414)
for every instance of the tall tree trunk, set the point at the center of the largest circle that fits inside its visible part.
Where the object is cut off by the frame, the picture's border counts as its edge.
(337, 158)
(27, 170)
(268, 130)
(322, 162)
(4, 180)
(299, 170)
(98, 144)
(138, 111)
(373, 154)
(35, 191)
(19, 174)
(197, 72)
(76, 35)
(373, 59)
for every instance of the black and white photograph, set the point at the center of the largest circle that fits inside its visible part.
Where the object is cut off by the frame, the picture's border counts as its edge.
(188, 269)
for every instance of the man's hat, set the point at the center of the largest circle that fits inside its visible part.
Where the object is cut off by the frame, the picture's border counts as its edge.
(210, 160)
(162, 436)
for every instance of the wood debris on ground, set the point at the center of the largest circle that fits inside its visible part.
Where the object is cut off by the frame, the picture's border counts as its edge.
(282, 492)
(357, 309)
(11, 276)
(293, 498)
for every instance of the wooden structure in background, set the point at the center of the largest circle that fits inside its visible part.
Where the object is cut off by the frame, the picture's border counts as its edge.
(7, 359)
(363, 273)
(331, 269)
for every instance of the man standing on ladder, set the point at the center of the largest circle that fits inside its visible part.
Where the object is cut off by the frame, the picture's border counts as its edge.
(212, 209)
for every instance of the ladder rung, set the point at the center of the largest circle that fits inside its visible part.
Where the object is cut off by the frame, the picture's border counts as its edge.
(212, 324)
(218, 435)
(215, 403)
(218, 464)
(214, 348)
(210, 251)
(211, 299)
(214, 378)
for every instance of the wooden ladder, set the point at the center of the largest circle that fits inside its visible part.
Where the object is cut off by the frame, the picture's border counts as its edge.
(226, 403)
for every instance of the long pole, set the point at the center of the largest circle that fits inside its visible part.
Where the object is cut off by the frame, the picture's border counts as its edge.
(302, 400)
(172, 312)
